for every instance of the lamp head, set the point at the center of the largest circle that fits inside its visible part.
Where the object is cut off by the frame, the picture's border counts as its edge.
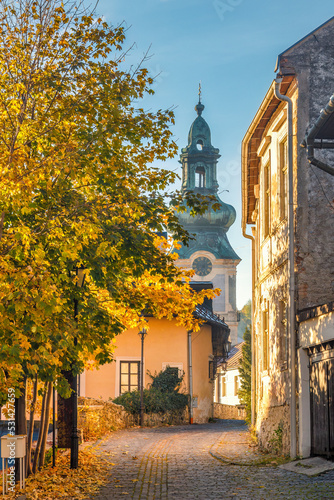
(142, 332)
(223, 366)
(81, 274)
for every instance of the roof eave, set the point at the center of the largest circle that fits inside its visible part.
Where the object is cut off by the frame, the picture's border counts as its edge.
(259, 122)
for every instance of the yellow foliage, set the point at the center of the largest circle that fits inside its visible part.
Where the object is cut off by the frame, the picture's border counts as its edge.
(55, 483)
(78, 189)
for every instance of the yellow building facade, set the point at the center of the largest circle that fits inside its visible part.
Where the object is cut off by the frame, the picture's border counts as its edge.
(166, 344)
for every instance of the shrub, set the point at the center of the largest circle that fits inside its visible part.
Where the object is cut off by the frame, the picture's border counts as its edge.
(167, 380)
(163, 395)
(130, 401)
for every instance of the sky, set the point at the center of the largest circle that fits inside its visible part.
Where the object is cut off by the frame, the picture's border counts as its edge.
(231, 47)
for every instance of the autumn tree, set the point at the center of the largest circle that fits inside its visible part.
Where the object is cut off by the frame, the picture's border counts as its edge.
(245, 371)
(245, 315)
(78, 188)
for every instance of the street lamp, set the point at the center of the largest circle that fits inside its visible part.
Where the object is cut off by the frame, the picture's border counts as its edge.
(223, 366)
(80, 279)
(142, 334)
(226, 350)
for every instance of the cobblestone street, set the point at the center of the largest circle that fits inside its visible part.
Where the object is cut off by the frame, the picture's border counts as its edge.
(191, 462)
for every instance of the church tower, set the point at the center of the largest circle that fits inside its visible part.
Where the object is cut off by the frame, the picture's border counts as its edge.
(210, 253)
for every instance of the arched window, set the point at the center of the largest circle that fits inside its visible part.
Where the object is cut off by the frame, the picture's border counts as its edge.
(200, 177)
(199, 145)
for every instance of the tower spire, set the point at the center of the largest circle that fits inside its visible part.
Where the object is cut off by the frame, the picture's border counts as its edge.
(199, 107)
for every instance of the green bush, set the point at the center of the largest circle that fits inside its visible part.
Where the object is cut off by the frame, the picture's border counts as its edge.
(163, 395)
(130, 401)
(167, 380)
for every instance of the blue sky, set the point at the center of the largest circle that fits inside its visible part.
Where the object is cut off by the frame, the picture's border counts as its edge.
(231, 46)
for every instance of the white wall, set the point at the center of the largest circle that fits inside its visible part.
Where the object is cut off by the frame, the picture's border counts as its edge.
(230, 398)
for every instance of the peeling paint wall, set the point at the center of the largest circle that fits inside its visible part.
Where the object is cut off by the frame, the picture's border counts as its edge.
(311, 61)
(271, 294)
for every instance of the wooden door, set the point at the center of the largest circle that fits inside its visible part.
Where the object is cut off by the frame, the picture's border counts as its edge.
(322, 409)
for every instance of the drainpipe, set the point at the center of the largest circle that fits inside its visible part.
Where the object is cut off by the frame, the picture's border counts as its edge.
(314, 161)
(253, 365)
(309, 139)
(292, 325)
(250, 237)
(190, 367)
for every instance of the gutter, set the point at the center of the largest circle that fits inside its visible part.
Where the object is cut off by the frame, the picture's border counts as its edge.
(309, 141)
(253, 360)
(292, 316)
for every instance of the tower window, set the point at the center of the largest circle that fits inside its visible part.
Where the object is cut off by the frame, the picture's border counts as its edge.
(200, 177)
(199, 144)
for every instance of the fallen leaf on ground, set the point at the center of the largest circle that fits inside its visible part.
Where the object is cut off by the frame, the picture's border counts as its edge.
(59, 482)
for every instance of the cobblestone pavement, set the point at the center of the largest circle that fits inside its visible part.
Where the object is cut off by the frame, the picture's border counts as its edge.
(182, 462)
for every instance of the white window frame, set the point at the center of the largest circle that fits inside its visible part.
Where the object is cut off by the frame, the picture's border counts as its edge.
(172, 364)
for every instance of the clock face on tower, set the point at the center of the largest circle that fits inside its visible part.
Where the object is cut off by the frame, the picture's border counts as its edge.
(202, 266)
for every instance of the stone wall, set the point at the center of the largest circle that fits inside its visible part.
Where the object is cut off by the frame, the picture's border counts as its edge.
(97, 418)
(168, 418)
(273, 429)
(229, 412)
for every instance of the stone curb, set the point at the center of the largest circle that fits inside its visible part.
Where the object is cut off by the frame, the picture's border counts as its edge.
(229, 461)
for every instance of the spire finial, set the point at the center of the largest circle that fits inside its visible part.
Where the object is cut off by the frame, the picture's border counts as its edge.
(199, 107)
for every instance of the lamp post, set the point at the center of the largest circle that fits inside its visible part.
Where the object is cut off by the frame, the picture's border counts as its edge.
(53, 426)
(142, 334)
(80, 279)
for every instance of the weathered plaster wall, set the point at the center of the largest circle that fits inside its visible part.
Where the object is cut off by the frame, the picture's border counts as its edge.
(313, 63)
(317, 330)
(271, 292)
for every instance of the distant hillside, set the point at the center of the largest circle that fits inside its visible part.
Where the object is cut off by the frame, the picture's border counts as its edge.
(245, 319)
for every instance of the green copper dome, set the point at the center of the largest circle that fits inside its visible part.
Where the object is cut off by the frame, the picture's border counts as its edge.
(199, 136)
(199, 175)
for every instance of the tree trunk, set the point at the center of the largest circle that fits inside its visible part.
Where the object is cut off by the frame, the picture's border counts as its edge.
(20, 421)
(65, 416)
(39, 441)
(20, 411)
(31, 428)
(45, 426)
